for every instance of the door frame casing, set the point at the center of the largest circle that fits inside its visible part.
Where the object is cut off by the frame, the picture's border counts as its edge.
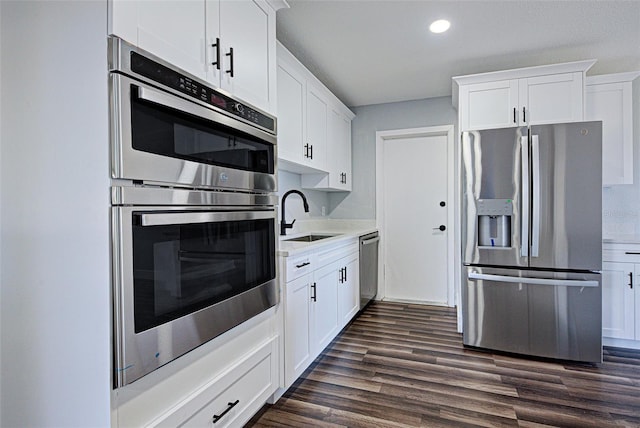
(453, 286)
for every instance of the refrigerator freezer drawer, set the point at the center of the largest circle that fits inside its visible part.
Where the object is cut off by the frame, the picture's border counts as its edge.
(540, 313)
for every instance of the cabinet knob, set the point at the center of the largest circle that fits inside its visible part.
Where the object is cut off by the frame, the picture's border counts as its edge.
(631, 280)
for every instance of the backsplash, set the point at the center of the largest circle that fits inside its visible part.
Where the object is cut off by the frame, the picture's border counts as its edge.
(295, 209)
(621, 210)
(621, 203)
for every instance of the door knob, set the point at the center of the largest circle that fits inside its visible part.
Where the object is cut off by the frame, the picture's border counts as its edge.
(441, 228)
(442, 203)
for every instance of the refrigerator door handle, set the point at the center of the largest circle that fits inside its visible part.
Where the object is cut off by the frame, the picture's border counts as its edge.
(524, 180)
(535, 204)
(534, 281)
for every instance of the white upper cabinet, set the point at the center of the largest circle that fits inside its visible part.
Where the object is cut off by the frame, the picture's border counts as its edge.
(555, 98)
(338, 157)
(489, 105)
(521, 97)
(230, 44)
(339, 151)
(314, 128)
(165, 29)
(248, 39)
(292, 105)
(609, 99)
(317, 127)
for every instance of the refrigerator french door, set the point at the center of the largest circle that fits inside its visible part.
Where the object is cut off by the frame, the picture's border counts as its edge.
(531, 204)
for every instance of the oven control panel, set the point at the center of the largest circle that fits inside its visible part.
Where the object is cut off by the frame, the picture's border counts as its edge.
(188, 86)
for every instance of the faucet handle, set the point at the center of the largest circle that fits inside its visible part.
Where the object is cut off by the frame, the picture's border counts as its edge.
(290, 225)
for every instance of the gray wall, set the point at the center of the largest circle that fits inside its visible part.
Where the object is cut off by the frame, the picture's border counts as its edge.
(360, 203)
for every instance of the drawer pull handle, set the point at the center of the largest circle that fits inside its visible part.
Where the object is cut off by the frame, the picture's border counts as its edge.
(216, 418)
(303, 264)
(632, 253)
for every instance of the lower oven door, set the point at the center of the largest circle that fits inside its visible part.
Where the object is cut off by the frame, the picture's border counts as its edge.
(184, 276)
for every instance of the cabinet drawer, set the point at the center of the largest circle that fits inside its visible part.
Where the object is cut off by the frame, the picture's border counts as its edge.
(299, 266)
(624, 253)
(232, 398)
(333, 254)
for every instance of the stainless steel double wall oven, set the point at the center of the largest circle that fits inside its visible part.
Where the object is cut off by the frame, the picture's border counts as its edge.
(193, 211)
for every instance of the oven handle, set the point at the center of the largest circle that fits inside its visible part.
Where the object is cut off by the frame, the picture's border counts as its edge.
(164, 218)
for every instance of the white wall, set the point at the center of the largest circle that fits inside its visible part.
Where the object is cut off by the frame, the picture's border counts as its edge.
(621, 203)
(54, 177)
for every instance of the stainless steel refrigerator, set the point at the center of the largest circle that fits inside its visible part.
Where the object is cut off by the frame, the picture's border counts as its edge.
(532, 240)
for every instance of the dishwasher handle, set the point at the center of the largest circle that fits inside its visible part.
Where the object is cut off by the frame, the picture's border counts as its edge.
(533, 281)
(370, 241)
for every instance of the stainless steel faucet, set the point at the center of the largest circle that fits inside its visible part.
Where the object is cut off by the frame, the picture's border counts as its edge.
(283, 223)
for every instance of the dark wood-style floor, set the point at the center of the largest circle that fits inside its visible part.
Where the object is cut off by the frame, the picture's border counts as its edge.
(400, 365)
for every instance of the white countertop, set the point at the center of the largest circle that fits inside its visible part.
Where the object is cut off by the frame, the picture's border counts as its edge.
(343, 230)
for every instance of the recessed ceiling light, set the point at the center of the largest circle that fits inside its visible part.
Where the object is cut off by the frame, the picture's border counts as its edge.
(439, 26)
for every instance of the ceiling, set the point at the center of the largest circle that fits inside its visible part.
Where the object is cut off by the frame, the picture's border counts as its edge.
(372, 52)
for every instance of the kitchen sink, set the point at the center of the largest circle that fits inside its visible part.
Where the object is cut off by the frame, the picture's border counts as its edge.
(310, 238)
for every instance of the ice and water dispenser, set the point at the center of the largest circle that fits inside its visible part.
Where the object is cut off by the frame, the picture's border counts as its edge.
(494, 222)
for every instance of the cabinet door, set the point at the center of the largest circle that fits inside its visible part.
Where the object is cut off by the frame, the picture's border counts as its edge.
(174, 30)
(618, 299)
(213, 45)
(339, 151)
(489, 105)
(248, 27)
(611, 103)
(298, 348)
(554, 98)
(317, 114)
(349, 290)
(291, 113)
(324, 307)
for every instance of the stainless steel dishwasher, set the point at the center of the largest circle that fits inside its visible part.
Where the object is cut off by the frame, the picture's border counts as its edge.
(368, 268)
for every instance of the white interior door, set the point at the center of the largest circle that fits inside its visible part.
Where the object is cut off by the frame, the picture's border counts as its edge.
(415, 207)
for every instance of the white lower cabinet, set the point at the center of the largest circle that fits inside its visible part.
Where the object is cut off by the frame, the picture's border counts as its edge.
(318, 303)
(324, 304)
(618, 300)
(231, 398)
(298, 327)
(621, 295)
(349, 289)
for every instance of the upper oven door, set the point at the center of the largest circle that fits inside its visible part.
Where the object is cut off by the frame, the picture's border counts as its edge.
(158, 137)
